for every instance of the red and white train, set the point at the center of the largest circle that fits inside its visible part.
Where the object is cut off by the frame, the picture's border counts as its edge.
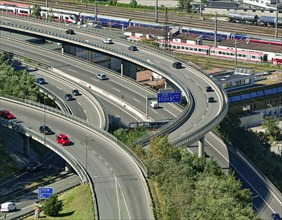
(27, 10)
(227, 53)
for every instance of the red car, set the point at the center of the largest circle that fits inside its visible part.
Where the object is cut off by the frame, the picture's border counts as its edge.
(63, 139)
(6, 114)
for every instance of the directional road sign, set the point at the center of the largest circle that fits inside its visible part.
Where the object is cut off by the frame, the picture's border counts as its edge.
(174, 96)
(44, 193)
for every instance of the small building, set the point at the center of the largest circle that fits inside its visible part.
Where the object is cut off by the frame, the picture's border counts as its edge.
(233, 80)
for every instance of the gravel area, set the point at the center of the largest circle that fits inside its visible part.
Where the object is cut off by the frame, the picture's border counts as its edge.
(166, 3)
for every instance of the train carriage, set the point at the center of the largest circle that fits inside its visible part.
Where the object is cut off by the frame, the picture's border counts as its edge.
(256, 57)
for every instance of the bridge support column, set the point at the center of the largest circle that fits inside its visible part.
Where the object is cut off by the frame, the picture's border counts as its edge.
(121, 69)
(26, 148)
(62, 50)
(201, 147)
(68, 168)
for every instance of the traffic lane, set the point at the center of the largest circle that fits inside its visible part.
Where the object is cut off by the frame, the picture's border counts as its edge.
(108, 154)
(27, 201)
(170, 111)
(249, 179)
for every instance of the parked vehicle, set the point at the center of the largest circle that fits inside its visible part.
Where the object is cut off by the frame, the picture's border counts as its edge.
(63, 139)
(6, 114)
(275, 216)
(8, 207)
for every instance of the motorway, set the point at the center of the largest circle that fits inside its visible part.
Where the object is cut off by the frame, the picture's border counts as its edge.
(264, 195)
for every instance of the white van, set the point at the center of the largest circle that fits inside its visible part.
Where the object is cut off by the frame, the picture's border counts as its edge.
(154, 104)
(8, 207)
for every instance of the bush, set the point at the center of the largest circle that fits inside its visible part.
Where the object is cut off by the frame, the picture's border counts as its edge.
(52, 206)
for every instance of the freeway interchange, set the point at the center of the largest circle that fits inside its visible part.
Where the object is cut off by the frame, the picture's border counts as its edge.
(203, 113)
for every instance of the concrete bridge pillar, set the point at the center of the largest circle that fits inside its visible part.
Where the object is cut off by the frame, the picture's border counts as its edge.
(121, 69)
(68, 168)
(62, 50)
(201, 147)
(26, 148)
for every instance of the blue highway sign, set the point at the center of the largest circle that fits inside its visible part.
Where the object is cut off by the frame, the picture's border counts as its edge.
(174, 96)
(44, 193)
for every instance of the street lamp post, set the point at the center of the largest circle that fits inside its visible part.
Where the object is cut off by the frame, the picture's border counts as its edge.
(44, 119)
(235, 52)
(86, 156)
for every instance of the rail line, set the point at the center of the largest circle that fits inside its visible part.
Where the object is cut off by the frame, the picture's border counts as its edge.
(179, 19)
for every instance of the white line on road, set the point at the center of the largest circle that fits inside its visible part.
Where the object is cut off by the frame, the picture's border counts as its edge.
(136, 100)
(71, 70)
(116, 89)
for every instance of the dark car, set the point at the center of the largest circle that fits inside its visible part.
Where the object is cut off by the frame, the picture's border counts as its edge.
(41, 81)
(177, 65)
(68, 97)
(33, 166)
(75, 92)
(6, 114)
(211, 99)
(133, 48)
(275, 216)
(45, 129)
(70, 31)
(209, 89)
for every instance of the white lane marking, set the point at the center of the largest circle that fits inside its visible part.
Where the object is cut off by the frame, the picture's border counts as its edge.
(170, 112)
(136, 100)
(116, 89)
(46, 61)
(242, 176)
(73, 181)
(93, 78)
(106, 163)
(18, 52)
(71, 70)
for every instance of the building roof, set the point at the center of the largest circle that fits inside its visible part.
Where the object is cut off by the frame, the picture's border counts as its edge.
(244, 44)
(187, 36)
(142, 30)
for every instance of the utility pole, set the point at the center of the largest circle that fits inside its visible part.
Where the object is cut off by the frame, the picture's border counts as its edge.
(166, 40)
(276, 21)
(157, 13)
(201, 18)
(96, 12)
(235, 52)
(215, 30)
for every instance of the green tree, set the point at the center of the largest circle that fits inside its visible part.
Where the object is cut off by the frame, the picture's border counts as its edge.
(133, 3)
(272, 129)
(52, 206)
(185, 5)
(36, 11)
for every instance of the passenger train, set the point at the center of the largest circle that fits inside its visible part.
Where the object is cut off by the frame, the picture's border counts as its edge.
(116, 22)
(226, 53)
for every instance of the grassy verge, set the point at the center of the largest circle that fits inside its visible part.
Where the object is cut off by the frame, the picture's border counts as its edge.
(7, 165)
(209, 63)
(77, 204)
(158, 205)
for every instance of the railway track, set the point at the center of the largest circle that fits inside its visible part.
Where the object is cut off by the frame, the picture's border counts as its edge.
(174, 18)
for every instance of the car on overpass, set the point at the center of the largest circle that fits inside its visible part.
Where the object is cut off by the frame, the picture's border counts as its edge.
(6, 114)
(63, 139)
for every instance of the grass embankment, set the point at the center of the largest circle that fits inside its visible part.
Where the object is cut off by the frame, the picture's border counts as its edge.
(7, 165)
(77, 204)
(208, 63)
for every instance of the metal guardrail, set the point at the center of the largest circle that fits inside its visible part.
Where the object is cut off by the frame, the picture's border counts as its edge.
(78, 121)
(187, 139)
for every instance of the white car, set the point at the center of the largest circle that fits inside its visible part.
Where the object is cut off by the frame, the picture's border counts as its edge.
(8, 207)
(108, 41)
